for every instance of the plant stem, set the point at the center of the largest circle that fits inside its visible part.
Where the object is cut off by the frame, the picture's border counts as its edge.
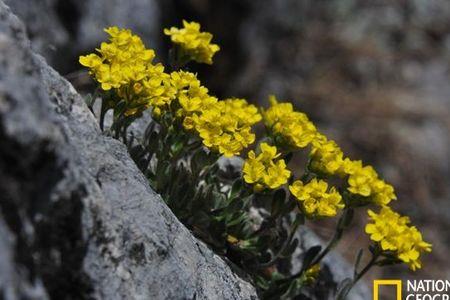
(358, 276)
(292, 232)
(103, 110)
(331, 244)
(369, 265)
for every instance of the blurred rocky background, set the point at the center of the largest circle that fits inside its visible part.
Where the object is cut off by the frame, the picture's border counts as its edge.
(373, 74)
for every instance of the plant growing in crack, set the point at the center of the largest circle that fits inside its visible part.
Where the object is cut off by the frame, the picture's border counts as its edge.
(190, 130)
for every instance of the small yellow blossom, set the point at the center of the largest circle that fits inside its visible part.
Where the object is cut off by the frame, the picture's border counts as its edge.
(125, 65)
(290, 128)
(316, 199)
(395, 234)
(265, 170)
(364, 181)
(326, 156)
(225, 126)
(192, 42)
(360, 182)
(192, 96)
(232, 239)
(122, 60)
(312, 274)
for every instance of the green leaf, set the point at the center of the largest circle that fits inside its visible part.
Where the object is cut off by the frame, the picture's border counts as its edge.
(261, 282)
(176, 147)
(219, 200)
(388, 262)
(358, 261)
(199, 160)
(346, 219)
(89, 99)
(344, 288)
(310, 255)
(288, 207)
(291, 248)
(201, 219)
(162, 175)
(293, 289)
(236, 188)
(236, 205)
(236, 219)
(278, 202)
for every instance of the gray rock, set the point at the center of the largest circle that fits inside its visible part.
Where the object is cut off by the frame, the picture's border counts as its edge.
(78, 220)
(44, 27)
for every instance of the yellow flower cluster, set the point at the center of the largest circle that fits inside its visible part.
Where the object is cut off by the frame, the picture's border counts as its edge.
(193, 43)
(225, 126)
(121, 61)
(364, 181)
(316, 199)
(312, 274)
(394, 234)
(328, 158)
(187, 89)
(265, 170)
(126, 65)
(294, 130)
(192, 96)
(289, 128)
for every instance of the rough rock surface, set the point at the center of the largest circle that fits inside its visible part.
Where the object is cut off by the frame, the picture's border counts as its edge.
(78, 220)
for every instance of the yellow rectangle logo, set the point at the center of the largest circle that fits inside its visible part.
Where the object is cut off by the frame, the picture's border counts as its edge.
(376, 286)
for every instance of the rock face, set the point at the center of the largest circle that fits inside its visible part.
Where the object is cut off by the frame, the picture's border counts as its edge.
(78, 220)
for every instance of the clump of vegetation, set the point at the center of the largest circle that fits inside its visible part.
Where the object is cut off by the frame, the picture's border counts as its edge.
(252, 215)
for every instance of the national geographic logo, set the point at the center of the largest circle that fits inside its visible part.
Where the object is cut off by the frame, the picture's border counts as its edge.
(414, 289)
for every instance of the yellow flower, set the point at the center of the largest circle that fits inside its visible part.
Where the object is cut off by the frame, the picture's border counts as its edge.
(125, 65)
(364, 181)
(122, 60)
(316, 199)
(158, 91)
(383, 192)
(326, 156)
(312, 274)
(224, 126)
(92, 61)
(191, 95)
(265, 170)
(290, 128)
(253, 169)
(395, 234)
(192, 42)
